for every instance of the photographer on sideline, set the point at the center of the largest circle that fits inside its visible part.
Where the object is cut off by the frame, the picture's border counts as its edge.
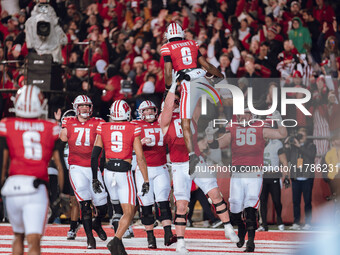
(301, 155)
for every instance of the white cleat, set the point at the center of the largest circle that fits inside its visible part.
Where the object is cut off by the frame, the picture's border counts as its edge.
(281, 227)
(128, 233)
(181, 249)
(230, 233)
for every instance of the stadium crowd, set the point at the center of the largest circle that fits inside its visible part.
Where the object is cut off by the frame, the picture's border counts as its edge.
(113, 51)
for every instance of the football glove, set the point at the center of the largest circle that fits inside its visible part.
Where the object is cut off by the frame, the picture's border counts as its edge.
(145, 188)
(193, 161)
(97, 185)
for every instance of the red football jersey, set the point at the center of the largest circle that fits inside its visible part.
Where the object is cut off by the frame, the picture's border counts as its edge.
(175, 140)
(247, 145)
(81, 137)
(118, 138)
(183, 54)
(155, 152)
(30, 144)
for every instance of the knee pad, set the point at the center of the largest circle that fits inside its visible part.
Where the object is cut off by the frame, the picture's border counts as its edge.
(182, 216)
(219, 204)
(147, 215)
(86, 210)
(101, 211)
(236, 218)
(117, 210)
(164, 211)
(250, 214)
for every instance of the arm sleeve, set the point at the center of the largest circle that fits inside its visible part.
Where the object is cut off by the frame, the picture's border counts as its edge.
(94, 161)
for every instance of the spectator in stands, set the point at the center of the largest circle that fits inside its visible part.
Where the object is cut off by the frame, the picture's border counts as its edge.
(301, 153)
(320, 115)
(314, 29)
(300, 36)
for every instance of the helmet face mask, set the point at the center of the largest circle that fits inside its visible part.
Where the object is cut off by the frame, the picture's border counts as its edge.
(29, 102)
(120, 111)
(80, 101)
(174, 30)
(146, 115)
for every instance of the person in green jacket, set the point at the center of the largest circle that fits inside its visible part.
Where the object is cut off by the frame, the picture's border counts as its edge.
(300, 36)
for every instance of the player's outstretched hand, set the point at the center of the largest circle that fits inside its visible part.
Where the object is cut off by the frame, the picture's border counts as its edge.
(210, 131)
(145, 188)
(97, 185)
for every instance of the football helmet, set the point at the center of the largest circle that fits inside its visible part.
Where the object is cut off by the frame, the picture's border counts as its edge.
(29, 102)
(68, 113)
(174, 30)
(120, 110)
(79, 100)
(147, 104)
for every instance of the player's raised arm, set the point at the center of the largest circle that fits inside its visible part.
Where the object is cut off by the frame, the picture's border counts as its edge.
(166, 116)
(279, 133)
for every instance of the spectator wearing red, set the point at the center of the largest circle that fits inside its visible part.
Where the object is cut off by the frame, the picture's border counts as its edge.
(324, 13)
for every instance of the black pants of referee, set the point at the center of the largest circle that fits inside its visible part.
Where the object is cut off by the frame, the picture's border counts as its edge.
(273, 187)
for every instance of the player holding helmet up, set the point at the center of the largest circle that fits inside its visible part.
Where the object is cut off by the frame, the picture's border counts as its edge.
(29, 143)
(80, 132)
(155, 155)
(247, 147)
(119, 138)
(184, 56)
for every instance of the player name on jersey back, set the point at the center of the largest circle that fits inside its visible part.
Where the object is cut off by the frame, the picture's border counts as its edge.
(31, 126)
(116, 127)
(181, 44)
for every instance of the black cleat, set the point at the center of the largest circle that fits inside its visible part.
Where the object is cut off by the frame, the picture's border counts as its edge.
(91, 243)
(169, 239)
(97, 227)
(116, 247)
(152, 242)
(250, 247)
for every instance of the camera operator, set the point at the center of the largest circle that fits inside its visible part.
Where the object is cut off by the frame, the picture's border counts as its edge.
(301, 155)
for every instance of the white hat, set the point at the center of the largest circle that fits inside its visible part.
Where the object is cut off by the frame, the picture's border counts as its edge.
(138, 59)
(100, 65)
(149, 87)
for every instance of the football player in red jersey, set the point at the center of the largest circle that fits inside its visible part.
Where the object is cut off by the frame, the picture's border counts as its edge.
(119, 138)
(155, 154)
(170, 123)
(247, 146)
(184, 56)
(80, 132)
(30, 143)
